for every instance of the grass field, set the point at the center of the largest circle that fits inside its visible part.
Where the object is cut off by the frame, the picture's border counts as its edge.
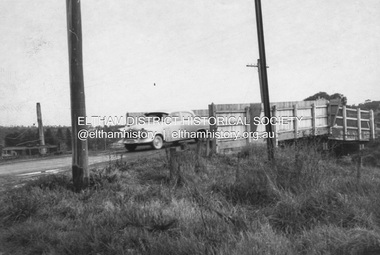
(305, 203)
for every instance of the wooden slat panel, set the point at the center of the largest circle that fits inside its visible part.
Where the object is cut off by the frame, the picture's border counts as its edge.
(315, 120)
(231, 144)
(201, 112)
(304, 113)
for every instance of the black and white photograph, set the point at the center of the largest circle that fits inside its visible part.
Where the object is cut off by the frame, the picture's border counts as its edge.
(169, 127)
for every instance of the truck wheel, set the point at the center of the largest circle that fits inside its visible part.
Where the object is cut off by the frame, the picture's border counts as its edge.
(158, 142)
(130, 147)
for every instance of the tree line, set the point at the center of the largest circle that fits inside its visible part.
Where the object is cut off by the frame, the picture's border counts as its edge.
(58, 136)
(28, 136)
(368, 105)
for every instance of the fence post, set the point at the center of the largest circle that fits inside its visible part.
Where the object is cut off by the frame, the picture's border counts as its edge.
(199, 147)
(274, 113)
(372, 125)
(173, 162)
(247, 120)
(213, 127)
(208, 147)
(314, 116)
(344, 111)
(359, 125)
(359, 164)
(237, 174)
(295, 123)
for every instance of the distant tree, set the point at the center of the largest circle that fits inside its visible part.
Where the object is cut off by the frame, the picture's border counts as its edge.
(340, 97)
(326, 96)
(50, 138)
(318, 95)
(371, 105)
(61, 140)
(31, 136)
(336, 96)
(68, 138)
(23, 137)
(12, 139)
(60, 135)
(97, 143)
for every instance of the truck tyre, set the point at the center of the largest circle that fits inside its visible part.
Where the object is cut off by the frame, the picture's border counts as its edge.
(158, 142)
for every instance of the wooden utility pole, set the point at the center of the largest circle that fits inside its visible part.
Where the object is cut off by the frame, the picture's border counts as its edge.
(260, 80)
(41, 130)
(264, 78)
(78, 107)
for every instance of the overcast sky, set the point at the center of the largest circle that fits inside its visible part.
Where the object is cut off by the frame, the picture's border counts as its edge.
(194, 51)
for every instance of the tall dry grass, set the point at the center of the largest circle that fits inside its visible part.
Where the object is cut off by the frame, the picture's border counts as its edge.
(304, 203)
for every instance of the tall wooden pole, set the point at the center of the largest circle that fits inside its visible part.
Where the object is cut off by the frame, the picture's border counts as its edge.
(78, 107)
(264, 78)
(40, 130)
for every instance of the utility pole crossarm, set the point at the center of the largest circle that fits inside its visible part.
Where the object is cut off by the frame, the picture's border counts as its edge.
(252, 65)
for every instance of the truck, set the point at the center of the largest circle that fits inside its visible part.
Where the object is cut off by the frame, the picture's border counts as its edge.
(161, 127)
